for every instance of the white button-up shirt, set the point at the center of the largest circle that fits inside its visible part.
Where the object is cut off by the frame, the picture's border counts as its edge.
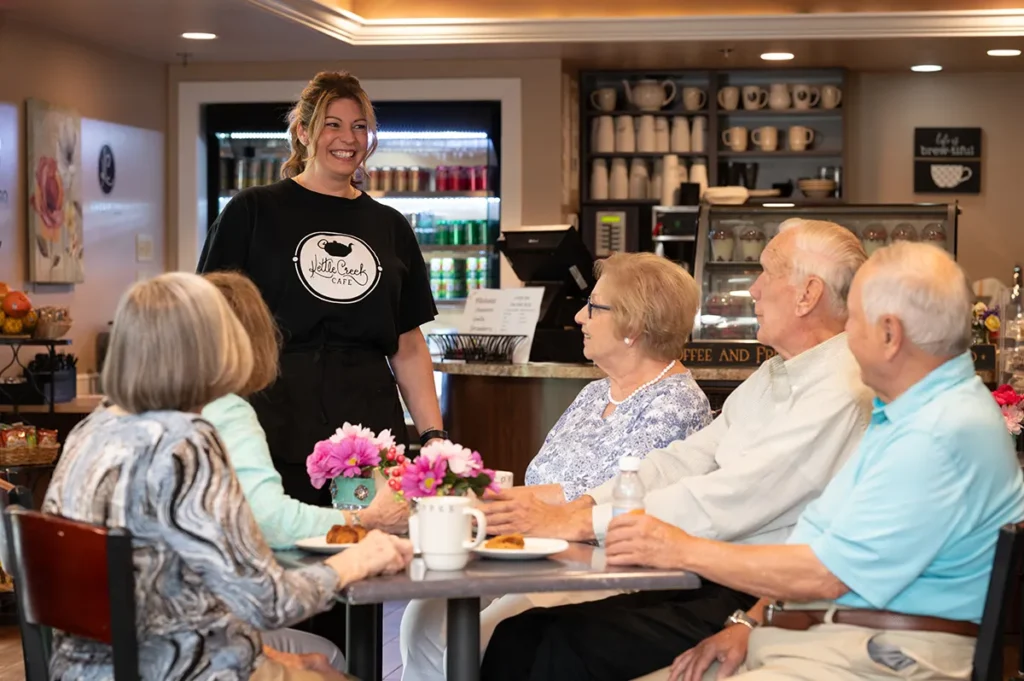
(781, 436)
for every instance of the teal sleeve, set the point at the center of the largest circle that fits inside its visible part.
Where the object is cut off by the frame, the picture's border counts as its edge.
(282, 520)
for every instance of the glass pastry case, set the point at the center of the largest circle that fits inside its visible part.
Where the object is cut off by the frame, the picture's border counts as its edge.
(730, 240)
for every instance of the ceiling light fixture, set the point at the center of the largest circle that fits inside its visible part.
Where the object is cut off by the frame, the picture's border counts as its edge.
(198, 36)
(777, 56)
(1003, 53)
(926, 68)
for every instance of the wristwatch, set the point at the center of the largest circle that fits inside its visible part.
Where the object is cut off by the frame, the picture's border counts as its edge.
(433, 434)
(740, 617)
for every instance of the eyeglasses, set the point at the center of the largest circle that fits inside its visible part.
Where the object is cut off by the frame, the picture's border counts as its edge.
(591, 306)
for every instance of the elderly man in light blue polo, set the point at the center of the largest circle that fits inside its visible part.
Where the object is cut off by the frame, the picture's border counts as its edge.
(885, 575)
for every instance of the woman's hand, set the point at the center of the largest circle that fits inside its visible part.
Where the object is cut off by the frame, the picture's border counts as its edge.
(387, 513)
(376, 554)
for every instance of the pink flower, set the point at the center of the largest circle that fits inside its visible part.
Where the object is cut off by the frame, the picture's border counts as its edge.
(350, 432)
(1013, 414)
(493, 485)
(323, 464)
(423, 477)
(384, 439)
(1006, 396)
(355, 454)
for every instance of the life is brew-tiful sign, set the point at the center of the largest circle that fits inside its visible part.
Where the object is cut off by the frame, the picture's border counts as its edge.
(947, 160)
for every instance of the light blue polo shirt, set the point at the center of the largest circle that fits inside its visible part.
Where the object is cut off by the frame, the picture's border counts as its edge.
(910, 522)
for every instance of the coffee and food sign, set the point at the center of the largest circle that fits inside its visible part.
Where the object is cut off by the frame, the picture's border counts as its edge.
(947, 160)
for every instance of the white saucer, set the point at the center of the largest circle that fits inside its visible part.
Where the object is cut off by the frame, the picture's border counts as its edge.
(535, 548)
(320, 545)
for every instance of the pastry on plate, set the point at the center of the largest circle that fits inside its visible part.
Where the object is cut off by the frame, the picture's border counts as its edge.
(346, 534)
(507, 542)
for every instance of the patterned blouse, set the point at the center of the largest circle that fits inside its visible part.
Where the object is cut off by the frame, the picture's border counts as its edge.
(205, 580)
(582, 451)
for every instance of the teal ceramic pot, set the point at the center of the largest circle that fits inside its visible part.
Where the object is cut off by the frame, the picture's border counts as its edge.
(352, 494)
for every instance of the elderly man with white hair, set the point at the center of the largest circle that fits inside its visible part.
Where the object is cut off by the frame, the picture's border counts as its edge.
(886, 574)
(745, 478)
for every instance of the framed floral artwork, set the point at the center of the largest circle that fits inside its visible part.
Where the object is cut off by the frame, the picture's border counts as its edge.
(54, 167)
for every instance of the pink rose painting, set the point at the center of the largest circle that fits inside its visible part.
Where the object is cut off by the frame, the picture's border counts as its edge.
(54, 194)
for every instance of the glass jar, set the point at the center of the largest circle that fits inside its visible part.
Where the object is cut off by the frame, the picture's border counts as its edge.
(874, 237)
(752, 242)
(904, 232)
(723, 243)
(934, 233)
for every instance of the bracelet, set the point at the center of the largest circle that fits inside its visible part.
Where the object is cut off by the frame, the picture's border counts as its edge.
(432, 434)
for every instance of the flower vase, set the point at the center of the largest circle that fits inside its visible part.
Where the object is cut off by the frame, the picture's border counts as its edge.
(352, 494)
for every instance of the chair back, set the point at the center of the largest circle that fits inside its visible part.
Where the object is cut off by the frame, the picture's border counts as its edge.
(1006, 575)
(77, 578)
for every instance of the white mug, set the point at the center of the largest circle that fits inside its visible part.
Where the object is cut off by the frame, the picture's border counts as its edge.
(800, 138)
(735, 138)
(639, 179)
(697, 135)
(645, 138)
(805, 96)
(443, 529)
(618, 180)
(754, 97)
(662, 136)
(604, 139)
(766, 138)
(603, 99)
(504, 479)
(625, 135)
(831, 96)
(729, 97)
(694, 98)
(598, 182)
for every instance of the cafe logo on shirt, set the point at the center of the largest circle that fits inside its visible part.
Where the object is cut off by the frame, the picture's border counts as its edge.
(337, 268)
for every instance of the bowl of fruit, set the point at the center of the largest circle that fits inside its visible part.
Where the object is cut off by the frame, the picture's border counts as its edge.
(17, 318)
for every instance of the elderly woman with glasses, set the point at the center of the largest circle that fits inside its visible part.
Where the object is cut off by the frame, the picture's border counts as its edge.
(635, 326)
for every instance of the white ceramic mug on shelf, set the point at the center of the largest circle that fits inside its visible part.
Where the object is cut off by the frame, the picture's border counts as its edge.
(603, 99)
(800, 138)
(831, 96)
(729, 97)
(443, 530)
(694, 98)
(754, 97)
(805, 96)
(735, 138)
(604, 137)
(625, 135)
(766, 138)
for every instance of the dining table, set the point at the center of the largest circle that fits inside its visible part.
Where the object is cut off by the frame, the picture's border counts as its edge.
(581, 567)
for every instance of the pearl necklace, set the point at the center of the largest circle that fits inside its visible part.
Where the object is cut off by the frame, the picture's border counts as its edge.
(648, 384)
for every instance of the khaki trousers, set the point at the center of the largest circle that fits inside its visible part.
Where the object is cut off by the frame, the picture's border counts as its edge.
(839, 652)
(271, 670)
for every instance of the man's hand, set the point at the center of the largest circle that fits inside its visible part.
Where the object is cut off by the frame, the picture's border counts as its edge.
(640, 539)
(728, 647)
(386, 513)
(523, 513)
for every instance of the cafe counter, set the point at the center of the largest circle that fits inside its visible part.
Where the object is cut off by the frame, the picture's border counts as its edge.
(505, 411)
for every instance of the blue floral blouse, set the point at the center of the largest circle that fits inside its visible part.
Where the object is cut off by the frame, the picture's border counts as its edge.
(582, 451)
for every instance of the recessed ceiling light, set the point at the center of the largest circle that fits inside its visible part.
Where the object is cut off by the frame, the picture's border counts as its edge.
(926, 68)
(777, 56)
(1003, 53)
(198, 36)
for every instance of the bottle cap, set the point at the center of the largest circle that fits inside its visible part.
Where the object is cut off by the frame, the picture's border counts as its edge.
(629, 463)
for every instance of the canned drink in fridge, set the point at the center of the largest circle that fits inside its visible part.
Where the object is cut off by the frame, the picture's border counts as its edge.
(240, 174)
(458, 232)
(481, 178)
(386, 180)
(373, 179)
(442, 179)
(414, 181)
(268, 171)
(400, 179)
(253, 174)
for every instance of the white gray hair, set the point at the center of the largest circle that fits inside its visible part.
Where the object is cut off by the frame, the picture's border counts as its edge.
(827, 251)
(926, 290)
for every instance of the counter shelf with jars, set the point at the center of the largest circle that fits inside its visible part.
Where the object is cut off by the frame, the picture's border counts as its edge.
(730, 240)
(249, 159)
(443, 182)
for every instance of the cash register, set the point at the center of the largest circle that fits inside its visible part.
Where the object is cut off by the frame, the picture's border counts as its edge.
(559, 262)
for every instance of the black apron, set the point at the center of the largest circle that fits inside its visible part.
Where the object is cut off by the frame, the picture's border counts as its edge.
(318, 390)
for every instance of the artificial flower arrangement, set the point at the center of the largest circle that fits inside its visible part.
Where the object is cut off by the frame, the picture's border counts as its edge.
(1010, 403)
(349, 458)
(984, 324)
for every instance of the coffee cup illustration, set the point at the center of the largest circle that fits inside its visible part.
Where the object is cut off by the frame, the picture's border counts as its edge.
(948, 176)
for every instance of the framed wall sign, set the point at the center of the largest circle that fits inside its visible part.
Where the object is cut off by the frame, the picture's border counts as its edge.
(947, 160)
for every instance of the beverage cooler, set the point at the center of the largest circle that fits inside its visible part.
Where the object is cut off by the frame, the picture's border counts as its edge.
(438, 163)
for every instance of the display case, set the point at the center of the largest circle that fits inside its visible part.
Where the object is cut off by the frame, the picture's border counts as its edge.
(730, 240)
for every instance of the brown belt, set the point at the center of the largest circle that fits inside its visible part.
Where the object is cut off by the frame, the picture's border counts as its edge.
(802, 620)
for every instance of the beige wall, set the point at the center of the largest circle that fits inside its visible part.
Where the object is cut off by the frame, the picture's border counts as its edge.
(101, 85)
(884, 109)
(541, 111)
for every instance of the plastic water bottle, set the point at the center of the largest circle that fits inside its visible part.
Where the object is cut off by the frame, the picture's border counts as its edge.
(628, 494)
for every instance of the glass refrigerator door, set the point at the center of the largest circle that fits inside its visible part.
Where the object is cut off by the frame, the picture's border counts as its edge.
(730, 267)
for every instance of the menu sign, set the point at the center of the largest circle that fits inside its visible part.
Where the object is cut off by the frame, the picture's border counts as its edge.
(947, 160)
(506, 311)
(711, 354)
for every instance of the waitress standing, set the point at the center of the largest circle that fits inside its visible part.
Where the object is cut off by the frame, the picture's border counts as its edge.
(345, 280)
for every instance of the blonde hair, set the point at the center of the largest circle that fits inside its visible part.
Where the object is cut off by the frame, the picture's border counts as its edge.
(247, 303)
(652, 299)
(827, 251)
(923, 286)
(175, 346)
(311, 109)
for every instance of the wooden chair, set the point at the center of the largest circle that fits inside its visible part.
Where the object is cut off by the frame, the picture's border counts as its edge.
(1006, 575)
(37, 659)
(77, 578)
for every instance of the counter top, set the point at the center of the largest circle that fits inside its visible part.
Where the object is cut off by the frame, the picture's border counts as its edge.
(83, 404)
(587, 372)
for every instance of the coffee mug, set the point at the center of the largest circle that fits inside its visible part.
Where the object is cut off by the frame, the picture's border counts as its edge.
(950, 175)
(694, 98)
(442, 528)
(754, 97)
(625, 135)
(805, 96)
(800, 138)
(504, 479)
(766, 138)
(729, 97)
(603, 99)
(831, 96)
(735, 138)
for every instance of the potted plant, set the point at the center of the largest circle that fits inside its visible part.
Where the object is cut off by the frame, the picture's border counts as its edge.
(349, 459)
(442, 469)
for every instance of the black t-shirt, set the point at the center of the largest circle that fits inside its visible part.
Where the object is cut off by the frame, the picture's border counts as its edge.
(334, 271)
